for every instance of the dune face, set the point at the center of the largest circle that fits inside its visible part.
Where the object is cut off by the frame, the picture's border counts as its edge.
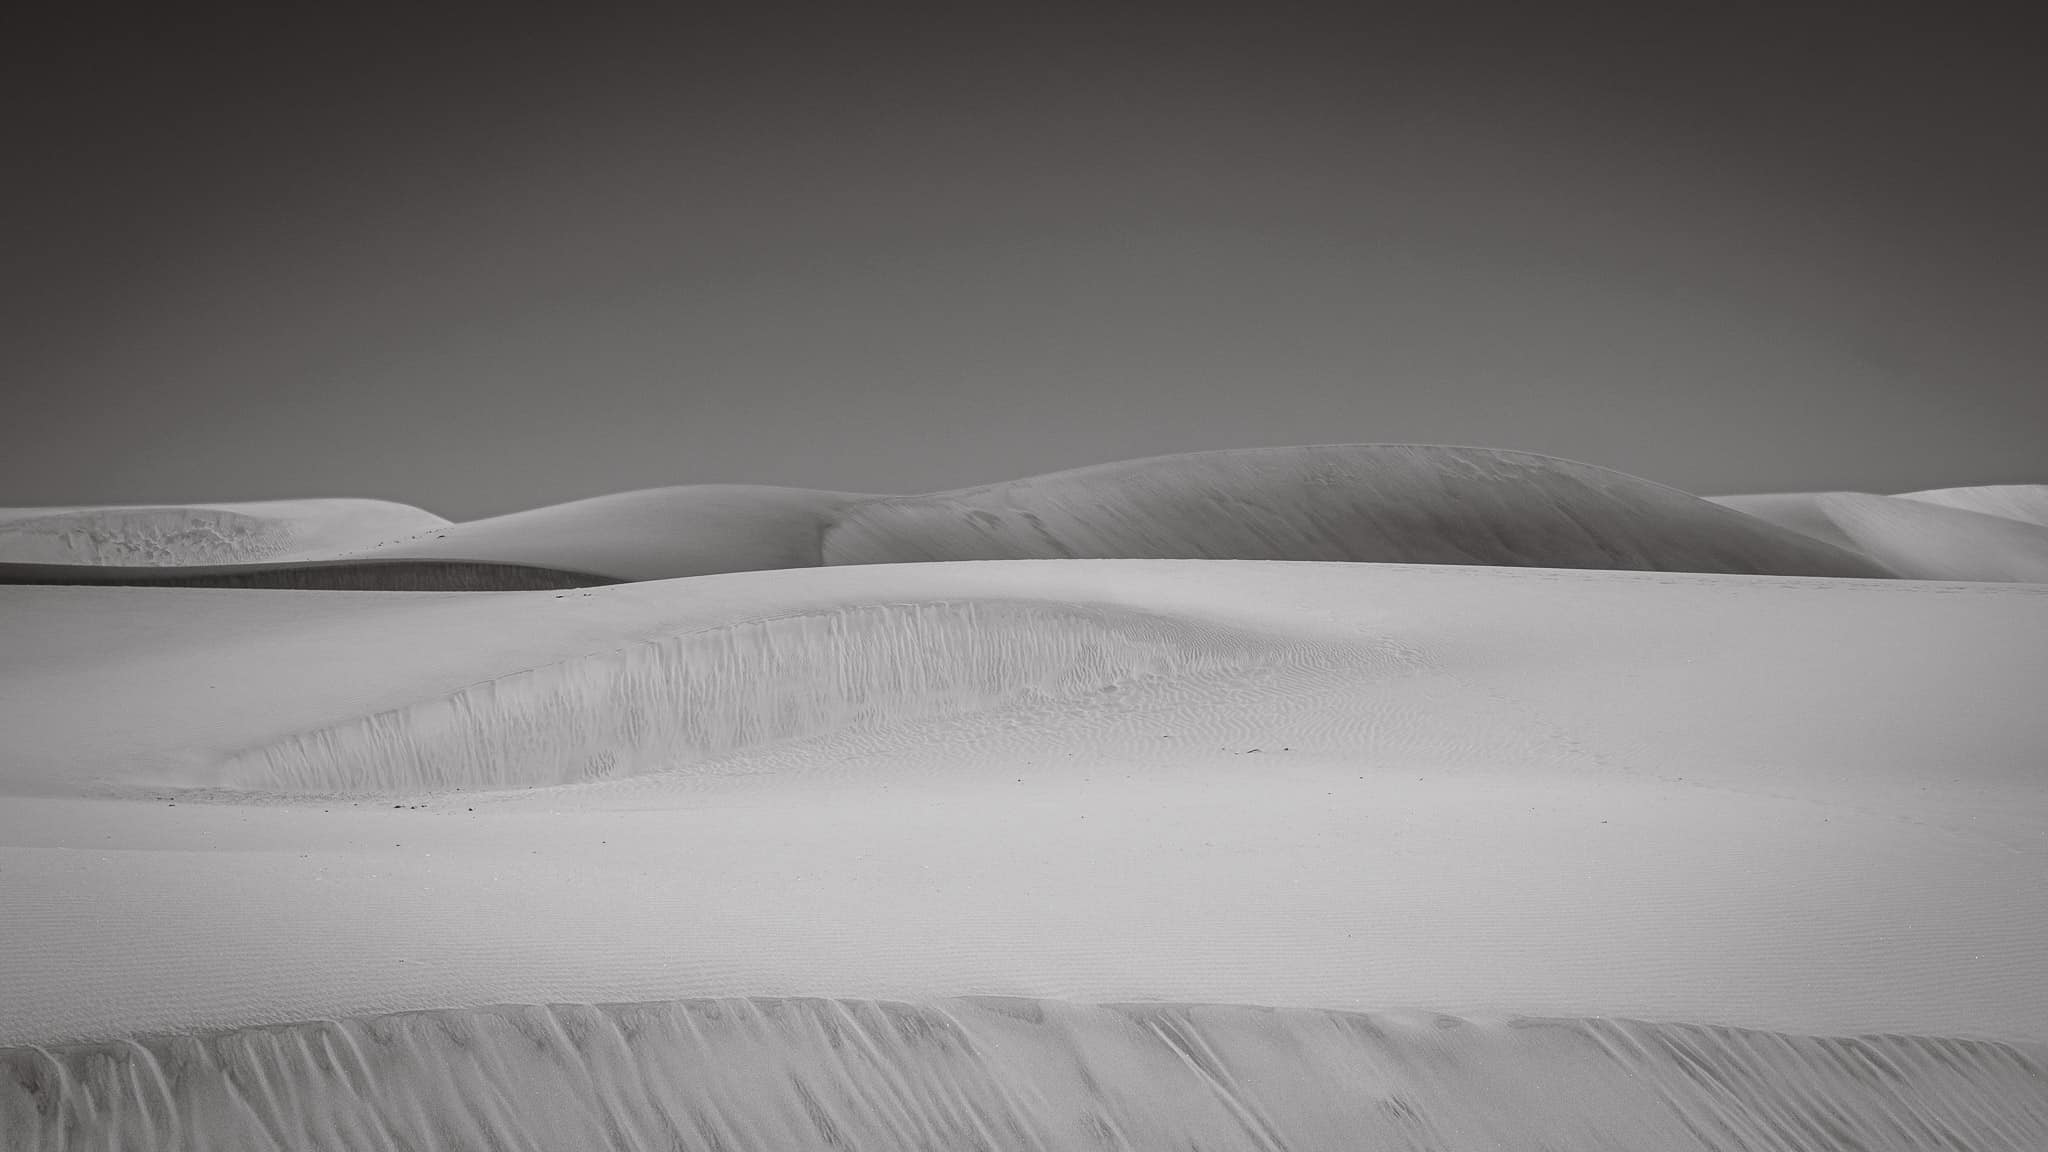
(655, 534)
(1404, 504)
(2025, 502)
(1916, 538)
(1017, 1074)
(1399, 504)
(210, 534)
(1610, 818)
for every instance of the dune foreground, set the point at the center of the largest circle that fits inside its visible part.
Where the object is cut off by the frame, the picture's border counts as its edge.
(997, 1073)
(1029, 853)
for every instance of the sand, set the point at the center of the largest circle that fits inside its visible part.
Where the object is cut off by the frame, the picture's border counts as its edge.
(170, 535)
(1357, 796)
(1507, 852)
(1385, 503)
(1981, 534)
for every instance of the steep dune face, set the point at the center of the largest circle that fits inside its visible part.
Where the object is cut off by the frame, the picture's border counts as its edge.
(988, 1073)
(2027, 502)
(1382, 503)
(1929, 541)
(1915, 538)
(653, 534)
(1799, 511)
(208, 534)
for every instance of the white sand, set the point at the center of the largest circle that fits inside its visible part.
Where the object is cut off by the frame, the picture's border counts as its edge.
(287, 869)
(1795, 804)
(2027, 502)
(160, 535)
(1982, 534)
(1379, 503)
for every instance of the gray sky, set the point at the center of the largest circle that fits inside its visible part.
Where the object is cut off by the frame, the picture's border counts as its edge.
(480, 266)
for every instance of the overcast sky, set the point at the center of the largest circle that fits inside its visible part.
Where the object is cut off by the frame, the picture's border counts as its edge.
(480, 265)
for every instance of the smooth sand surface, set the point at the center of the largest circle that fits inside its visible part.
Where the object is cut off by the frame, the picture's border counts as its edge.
(1385, 503)
(1951, 535)
(2027, 502)
(1792, 804)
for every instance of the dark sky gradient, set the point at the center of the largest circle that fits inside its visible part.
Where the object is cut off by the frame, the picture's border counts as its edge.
(480, 265)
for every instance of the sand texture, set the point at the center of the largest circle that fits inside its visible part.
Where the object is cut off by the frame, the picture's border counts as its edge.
(1382, 503)
(1017, 1074)
(1235, 851)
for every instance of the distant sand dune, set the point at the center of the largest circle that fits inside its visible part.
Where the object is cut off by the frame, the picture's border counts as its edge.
(852, 1075)
(1409, 504)
(2028, 502)
(366, 575)
(202, 533)
(1405, 504)
(1916, 537)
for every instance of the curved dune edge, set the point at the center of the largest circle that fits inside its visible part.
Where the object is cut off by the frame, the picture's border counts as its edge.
(702, 694)
(2027, 503)
(1381, 503)
(1373, 503)
(997, 1073)
(375, 575)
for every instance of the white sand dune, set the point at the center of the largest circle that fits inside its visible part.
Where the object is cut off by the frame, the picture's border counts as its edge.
(653, 534)
(1802, 805)
(1017, 1074)
(1799, 511)
(2028, 502)
(203, 533)
(1379, 503)
(1395, 503)
(1919, 539)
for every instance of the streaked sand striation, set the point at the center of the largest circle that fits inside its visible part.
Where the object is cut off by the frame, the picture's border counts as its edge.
(1016, 1074)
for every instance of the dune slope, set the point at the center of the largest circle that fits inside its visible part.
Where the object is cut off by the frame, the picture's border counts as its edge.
(653, 534)
(2027, 502)
(1406, 504)
(1017, 1074)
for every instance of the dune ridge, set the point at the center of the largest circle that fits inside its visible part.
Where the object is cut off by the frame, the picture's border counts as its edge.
(703, 694)
(1388, 503)
(1915, 538)
(1004, 1073)
(2024, 502)
(1374, 503)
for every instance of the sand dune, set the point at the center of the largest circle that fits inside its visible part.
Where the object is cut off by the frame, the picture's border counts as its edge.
(997, 853)
(1384, 503)
(1915, 538)
(1801, 512)
(1017, 1074)
(1785, 803)
(203, 533)
(654, 534)
(1388, 503)
(2028, 502)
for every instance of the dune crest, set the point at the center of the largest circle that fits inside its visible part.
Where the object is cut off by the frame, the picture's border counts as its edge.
(1402, 504)
(2026, 502)
(984, 1073)
(1386, 503)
